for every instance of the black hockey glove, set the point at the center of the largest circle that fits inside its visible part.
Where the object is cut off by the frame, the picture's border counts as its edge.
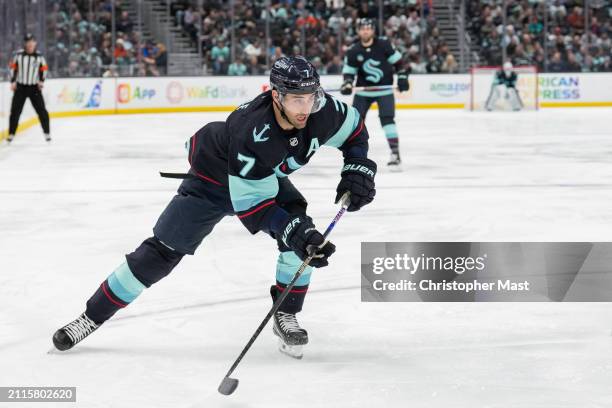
(402, 81)
(358, 178)
(301, 236)
(347, 87)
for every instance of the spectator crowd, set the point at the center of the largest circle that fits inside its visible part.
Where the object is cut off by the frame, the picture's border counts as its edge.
(80, 41)
(555, 35)
(319, 29)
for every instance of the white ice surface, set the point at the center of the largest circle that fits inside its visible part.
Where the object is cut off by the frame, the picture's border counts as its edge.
(71, 209)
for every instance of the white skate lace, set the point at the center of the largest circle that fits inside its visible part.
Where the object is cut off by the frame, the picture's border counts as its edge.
(80, 328)
(288, 322)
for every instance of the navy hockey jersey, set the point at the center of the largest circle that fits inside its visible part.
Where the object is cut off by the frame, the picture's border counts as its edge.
(502, 79)
(373, 65)
(247, 154)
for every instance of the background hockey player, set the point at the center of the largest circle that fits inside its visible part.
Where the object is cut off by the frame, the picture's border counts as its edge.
(241, 167)
(373, 60)
(505, 78)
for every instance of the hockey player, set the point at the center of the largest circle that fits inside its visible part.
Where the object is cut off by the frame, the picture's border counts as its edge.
(241, 167)
(504, 77)
(373, 60)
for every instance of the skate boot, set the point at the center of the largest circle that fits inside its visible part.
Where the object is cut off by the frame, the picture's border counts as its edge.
(48, 137)
(291, 337)
(395, 163)
(72, 333)
(10, 138)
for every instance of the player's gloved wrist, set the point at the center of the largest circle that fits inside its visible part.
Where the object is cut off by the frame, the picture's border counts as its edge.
(357, 177)
(402, 81)
(347, 87)
(300, 235)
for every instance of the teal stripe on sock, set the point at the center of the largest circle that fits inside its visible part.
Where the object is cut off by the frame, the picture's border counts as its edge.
(124, 284)
(390, 131)
(286, 267)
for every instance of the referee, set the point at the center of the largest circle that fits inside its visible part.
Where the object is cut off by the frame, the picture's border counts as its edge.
(28, 73)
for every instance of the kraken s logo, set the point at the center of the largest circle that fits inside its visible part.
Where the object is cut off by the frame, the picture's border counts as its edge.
(374, 74)
(258, 137)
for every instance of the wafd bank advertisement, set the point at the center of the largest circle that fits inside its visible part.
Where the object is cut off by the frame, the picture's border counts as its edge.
(378, 237)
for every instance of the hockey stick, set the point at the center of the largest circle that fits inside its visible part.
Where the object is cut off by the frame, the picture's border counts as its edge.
(364, 88)
(228, 385)
(176, 175)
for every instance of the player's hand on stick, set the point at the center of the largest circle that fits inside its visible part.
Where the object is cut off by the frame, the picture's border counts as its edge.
(300, 235)
(346, 88)
(357, 178)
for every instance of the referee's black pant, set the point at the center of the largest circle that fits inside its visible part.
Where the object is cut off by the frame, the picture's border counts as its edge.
(22, 93)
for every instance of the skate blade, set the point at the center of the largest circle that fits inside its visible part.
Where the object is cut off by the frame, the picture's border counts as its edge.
(395, 168)
(292, 351)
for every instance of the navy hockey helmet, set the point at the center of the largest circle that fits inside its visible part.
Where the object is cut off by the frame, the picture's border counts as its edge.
(366, 22)
(296, 75)
(28, 37)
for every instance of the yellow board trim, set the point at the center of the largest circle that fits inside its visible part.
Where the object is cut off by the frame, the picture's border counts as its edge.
(575, 104)
(430, 106)
(23, 126)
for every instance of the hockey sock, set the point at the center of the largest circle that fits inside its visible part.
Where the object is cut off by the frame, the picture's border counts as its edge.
(116, 292)
(294, 301)
(392, 136)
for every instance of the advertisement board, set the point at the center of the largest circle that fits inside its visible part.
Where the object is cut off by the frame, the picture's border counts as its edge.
(90, 96)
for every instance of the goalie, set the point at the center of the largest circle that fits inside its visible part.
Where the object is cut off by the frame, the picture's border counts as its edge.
(506, 77)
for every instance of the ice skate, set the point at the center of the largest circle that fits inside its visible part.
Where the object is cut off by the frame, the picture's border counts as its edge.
(395, 163)
(74, 332)
(291, 337)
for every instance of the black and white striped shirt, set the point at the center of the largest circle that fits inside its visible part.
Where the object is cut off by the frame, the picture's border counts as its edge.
(28, 69)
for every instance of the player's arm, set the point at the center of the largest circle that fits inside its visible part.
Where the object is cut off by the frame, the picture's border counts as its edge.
(394, 57)
(42, 70)
(350, 136)
(14, 68)
(253, 186)
(349, 71)
(499, 78)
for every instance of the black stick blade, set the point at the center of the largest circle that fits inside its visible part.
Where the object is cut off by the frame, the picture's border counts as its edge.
(228, 386)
